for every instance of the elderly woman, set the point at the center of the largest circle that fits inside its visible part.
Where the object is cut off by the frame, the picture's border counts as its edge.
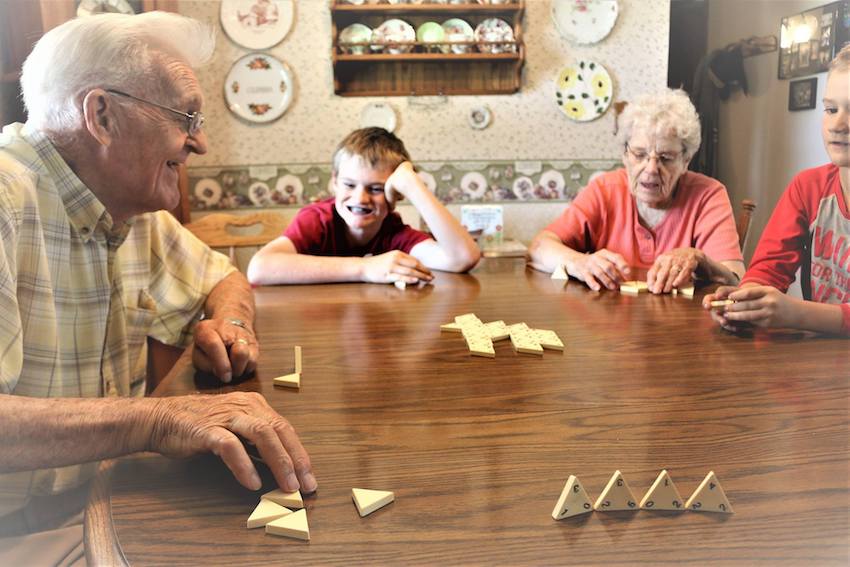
(653, 214)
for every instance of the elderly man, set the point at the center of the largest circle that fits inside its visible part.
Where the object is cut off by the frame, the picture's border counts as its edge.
(87, 272)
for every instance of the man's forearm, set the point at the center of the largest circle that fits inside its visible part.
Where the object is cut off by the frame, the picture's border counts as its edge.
(231, 297)
(54, 432)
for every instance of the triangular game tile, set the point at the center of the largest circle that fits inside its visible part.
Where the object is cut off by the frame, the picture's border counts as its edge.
(573, 500)
(662, 495)
(288, 499)
(367, 501)
(709, 497)
(265, 512)
(293, 525)
(616, 496)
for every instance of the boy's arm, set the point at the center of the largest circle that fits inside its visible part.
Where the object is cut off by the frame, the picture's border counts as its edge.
(766, 306)
(278, 262)
(453, 249)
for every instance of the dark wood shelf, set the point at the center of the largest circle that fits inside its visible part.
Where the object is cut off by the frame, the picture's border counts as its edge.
(416, 9)
(423, 71)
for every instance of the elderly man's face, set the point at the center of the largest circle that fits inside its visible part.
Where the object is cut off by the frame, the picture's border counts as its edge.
(154, 142)
(836, 118)
(654, 164)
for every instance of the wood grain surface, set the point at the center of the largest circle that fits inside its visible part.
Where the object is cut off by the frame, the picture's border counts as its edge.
(477, 450)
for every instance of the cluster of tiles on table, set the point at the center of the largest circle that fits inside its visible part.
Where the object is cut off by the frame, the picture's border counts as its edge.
(480, 336)
(662, 495)
(276, 511)
(632, 287)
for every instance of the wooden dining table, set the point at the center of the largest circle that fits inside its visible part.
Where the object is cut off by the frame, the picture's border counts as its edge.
(477, 450)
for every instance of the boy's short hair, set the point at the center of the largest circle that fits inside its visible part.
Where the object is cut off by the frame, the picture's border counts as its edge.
(841, 62)
(375, 146)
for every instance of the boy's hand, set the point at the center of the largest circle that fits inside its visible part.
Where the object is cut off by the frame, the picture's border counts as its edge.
(759, 305)
(402, 181)
(675, 268)
(394, 266)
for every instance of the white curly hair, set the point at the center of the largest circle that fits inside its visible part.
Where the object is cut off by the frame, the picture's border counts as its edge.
(107, 51)
(669, 112)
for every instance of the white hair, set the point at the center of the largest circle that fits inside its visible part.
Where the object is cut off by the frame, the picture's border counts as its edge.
(107, 51)
(669, 112)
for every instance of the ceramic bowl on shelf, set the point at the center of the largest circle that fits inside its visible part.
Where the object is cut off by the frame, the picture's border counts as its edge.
(355, 33)
(458, 31)
(495, 29)
(392, 35)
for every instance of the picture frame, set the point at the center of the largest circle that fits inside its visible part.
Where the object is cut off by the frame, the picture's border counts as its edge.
(802, 94)
(808, 41)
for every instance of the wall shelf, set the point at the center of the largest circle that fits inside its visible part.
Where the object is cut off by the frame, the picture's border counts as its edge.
(424, 71)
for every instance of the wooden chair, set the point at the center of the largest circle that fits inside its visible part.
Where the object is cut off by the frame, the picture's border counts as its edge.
(743, 222)
(217, 230)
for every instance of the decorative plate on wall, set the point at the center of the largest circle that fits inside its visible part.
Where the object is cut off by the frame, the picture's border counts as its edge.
(585, 21)
(479, 117)
(379, 114)
(92, 7)
(256, 24)
(259, 88)
(584, 91)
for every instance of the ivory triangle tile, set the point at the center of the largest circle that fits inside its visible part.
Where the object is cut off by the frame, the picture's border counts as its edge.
(288, 499)
(288, 381)
(573, 501)
(293, 525)
(367, 501)
(560, 273)
(616, 496)
(265, 512)
(709, 497)
(662, 495)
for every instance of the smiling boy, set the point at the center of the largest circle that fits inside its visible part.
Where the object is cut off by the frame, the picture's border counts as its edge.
(356, 235)
(809, 229)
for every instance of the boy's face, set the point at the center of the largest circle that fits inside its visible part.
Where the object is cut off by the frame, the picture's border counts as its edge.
(836, 118)
(359, 192)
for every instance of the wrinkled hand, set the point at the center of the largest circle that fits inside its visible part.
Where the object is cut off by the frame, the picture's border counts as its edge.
(187, 425)
(224, 349)
(602, 268)
(394, 266)
(675, 268)
(401, 182)
(759, 305)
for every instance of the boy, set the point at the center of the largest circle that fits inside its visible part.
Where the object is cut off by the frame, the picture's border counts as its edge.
(810, 227)
(356, 236)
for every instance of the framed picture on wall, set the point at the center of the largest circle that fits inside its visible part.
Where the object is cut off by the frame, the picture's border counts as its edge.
(809, 40)
(802, 94)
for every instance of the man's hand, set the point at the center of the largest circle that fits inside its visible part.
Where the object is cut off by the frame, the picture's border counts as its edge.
(224, 349)
(675, 268)
(602, 268)
(401, 182)
(759, 305)
(394, 266)
(187, 425)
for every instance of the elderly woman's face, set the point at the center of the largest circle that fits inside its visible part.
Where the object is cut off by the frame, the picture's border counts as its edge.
(654, 164)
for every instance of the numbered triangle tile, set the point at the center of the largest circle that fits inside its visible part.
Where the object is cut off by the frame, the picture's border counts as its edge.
(573, 500)
(560, 273)
(662, 495)
(709, 497)
(616, 496)
(293, 525)
(265, 512)
(288, 499)
(367, 501)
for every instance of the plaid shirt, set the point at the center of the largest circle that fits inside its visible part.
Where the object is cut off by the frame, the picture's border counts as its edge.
(79, 296)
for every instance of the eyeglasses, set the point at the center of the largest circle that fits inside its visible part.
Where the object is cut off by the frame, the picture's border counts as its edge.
(664, 159)
(194, 120)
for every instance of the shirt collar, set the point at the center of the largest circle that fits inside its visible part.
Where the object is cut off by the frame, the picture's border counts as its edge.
(85, 212)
